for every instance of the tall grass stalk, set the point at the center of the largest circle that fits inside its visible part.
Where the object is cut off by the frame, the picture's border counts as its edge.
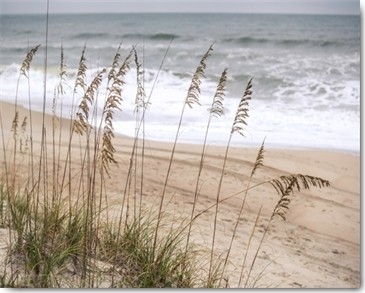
(237, 126)
(105, 156)
(139, 104)
(258, 163)
(145, 104)
(31, 169)
(215, 111)
(285, 187)
(192, 98)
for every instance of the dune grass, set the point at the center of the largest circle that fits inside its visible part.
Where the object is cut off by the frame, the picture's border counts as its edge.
(54, 198)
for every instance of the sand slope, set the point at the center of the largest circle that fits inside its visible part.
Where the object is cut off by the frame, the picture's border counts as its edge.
(318, 246)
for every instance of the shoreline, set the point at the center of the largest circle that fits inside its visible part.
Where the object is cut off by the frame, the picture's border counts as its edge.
(272, 146)
(251, 145)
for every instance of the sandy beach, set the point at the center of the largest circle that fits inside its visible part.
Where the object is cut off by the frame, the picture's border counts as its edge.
(318, 246)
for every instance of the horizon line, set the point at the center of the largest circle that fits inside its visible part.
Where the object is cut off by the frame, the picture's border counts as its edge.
(175, 12)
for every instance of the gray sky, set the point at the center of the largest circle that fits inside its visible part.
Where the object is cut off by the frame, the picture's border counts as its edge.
(241, 6)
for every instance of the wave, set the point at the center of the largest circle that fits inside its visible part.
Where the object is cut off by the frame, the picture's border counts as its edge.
(317, 43)
(134, 36)
(155, 37)
(246, 40)
(283, 42)
(91, 35)
(163, 36)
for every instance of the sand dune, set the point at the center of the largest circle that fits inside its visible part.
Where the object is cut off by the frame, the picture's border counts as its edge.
(318, 246)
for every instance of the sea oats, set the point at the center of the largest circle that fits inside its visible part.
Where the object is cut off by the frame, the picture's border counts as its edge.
(81, 123)
(217, 105)
(112, 103)
(140, 95)
(259, 159)
(14, 125)
(62, 74)
(24, 70)
(285, 185)
(115, 65)
(81, 72)
(194, 89)
(242, 110)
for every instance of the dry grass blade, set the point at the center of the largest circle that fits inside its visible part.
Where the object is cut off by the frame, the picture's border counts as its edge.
(283, 204)
(215, 111)
(113, 70)
(140, 102)
(24, 124)
(254, 227)
(63, 74)
(194, 89)
(28, 60)
(81, 123)
(93, 87)
(24, 138)
(14, 125)
(191, 98)
(217, 106)
(258, 163)
(108, 150)
(112, 103)
(59, 89)
(285, 185)
(81, 73)
(115, 96)
(241, 114)
(259, 159)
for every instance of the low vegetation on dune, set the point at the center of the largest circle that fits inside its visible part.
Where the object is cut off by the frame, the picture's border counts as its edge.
(55, 194)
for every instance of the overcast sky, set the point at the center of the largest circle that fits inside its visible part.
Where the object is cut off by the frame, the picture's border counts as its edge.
(241, 6)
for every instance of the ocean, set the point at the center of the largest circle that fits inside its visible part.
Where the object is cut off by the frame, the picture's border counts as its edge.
(305, 70)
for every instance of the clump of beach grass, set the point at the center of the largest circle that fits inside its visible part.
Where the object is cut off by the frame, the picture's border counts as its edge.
(61, 230)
